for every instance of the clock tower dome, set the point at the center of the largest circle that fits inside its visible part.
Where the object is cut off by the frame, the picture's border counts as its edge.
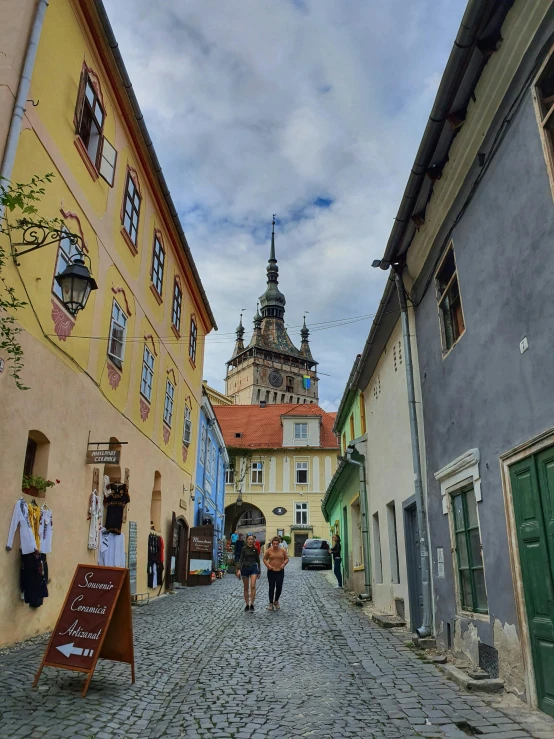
(270, 368)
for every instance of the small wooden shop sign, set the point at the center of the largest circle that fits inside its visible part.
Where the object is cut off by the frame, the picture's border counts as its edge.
(95, 622)
(103, 456)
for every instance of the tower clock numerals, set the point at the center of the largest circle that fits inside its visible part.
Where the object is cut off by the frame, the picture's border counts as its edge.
(275, 378)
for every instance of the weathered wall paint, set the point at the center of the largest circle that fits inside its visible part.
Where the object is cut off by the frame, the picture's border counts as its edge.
(485, 394)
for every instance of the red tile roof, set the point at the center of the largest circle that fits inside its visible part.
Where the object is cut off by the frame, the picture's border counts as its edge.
(261, 428)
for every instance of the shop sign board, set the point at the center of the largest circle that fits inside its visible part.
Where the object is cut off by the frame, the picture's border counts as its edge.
(279, 511)
(103, 456)
(440, 562)
(201, 543)
(95, 622)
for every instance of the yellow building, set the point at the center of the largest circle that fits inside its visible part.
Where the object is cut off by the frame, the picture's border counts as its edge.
(126, 370)
(215, 397)
(282, 457)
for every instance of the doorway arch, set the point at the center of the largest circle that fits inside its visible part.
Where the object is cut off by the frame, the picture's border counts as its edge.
(244, 519)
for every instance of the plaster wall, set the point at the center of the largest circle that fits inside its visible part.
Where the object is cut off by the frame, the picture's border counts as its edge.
(389, 470)
(484, 393)
(65, 406)
(279, 468)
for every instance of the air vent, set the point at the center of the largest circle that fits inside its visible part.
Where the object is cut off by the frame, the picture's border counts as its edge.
(238, 435)
(262, 403)
(488, 659)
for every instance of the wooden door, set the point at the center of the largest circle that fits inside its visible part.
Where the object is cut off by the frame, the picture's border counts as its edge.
(533, 495)
(413, 564)
(299, 540)
(182, 555)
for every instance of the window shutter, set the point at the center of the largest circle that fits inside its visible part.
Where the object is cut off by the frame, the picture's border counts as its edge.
(80, 101)
(107, 159)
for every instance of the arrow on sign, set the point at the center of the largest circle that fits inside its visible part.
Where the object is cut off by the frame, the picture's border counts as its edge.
(68, 649)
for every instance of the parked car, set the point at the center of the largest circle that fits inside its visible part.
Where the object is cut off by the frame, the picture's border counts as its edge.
(315, 553)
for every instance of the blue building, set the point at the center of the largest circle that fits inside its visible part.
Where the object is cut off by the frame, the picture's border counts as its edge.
(211, 465)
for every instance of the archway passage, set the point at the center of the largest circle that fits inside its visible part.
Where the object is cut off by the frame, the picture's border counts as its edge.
(245, 518)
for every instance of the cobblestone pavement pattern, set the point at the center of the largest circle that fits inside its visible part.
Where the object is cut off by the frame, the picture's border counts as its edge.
(317, 668)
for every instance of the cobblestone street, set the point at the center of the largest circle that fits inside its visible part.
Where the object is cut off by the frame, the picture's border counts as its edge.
(317, 668)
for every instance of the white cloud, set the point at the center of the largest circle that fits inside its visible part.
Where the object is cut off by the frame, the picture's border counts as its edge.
(258, 107)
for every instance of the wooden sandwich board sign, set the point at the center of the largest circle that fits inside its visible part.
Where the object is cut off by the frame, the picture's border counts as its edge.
(95, 622)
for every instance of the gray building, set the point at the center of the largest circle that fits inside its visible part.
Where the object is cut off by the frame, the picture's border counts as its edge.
(474, 240)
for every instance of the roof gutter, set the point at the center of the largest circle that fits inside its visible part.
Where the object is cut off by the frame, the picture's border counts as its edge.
(477, 12)
(139, 117)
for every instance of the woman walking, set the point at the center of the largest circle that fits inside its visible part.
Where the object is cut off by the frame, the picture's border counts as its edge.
(337, 559)
(249, 570)
(275, 559)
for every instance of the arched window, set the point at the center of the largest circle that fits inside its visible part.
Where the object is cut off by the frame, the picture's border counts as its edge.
(36, 456)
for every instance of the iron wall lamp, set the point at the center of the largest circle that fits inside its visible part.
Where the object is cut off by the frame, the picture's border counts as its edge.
(76, 281)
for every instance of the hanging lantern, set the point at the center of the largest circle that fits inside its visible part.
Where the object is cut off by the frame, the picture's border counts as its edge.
(76, 284)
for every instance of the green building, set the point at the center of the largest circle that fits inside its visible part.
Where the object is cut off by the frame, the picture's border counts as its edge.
(345, 503)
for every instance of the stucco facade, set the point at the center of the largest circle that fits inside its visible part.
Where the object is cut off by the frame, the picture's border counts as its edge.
(78, 392)
(487, 398)
(211, 465)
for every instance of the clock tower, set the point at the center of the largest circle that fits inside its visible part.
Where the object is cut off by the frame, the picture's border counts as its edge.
(270, 368)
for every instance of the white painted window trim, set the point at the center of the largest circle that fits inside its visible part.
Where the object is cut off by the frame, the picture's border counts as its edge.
(302, 503)
(460, 470)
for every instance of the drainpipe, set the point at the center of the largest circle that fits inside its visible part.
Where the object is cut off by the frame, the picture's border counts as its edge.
(365, 522)
(425, 629)
(22, 93)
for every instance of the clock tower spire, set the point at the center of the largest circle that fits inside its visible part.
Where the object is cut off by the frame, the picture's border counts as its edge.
(271, 368)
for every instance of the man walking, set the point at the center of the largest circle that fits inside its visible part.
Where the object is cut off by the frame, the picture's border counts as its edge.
(275, 559)
(239, 544)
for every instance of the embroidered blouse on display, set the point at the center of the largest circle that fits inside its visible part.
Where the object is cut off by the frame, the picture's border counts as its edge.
(95, 516)
(115, 503)
(20, 517)
(45, 530)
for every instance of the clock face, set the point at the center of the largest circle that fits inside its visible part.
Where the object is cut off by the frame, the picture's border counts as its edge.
(275, 378)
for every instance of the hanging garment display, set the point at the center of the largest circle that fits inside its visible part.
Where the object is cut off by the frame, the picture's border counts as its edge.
(22, 518)
(115, 503)
(33, 579)
(95, 517)
(155, 560)
(34, 520)
(45, 529)
(111, 550)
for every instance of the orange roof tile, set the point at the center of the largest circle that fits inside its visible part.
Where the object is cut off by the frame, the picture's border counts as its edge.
(261, 428)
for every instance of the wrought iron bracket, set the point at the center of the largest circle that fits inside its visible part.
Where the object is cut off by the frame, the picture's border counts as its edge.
(36, 237)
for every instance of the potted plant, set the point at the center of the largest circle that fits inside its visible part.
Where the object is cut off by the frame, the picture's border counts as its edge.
(36, 485)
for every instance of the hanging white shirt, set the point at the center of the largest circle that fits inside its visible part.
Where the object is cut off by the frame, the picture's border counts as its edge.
(20, 517)
(95, 513)
(45, 530)
(111, 552)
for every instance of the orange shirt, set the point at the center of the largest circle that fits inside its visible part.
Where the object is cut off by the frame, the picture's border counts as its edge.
(275, 559)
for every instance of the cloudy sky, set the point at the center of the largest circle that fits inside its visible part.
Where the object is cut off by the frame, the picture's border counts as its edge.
(310, 109)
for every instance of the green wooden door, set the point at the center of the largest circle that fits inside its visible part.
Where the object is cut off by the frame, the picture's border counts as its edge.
(533, 495)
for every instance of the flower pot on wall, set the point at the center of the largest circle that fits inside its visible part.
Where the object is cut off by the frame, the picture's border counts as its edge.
(34, 492)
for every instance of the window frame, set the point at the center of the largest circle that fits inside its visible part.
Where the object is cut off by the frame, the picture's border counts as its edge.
(547, 140)
(230, 474)
(300, 437)
(305, 468)
(193, 338)
(462, 492)
(258, 469)
(157, 267)
(300, 508)
(187, 426)
(169, 402)
(363, 422)
(135, 209)
(441, 295)
(118, 361)
(203, 435)
(85, 108)
(148, 369)
(177, 306)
